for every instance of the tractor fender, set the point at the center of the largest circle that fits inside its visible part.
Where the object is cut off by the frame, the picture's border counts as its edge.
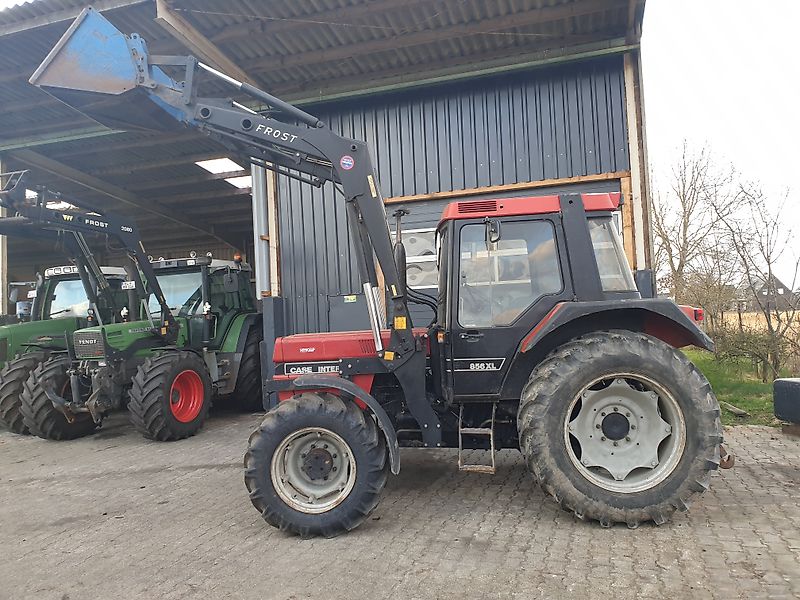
(351, 389)
(658, 317)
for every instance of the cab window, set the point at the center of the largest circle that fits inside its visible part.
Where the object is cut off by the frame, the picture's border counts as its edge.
(615, 273)
(499, 280)
(68, 299)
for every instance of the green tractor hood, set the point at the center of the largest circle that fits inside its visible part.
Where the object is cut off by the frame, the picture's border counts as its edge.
(51, 334)
(89, 342)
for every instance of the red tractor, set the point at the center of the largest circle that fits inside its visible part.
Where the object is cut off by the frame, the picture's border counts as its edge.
(540, 340)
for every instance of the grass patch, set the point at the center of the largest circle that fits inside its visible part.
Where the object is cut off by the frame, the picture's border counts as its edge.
(734, 382)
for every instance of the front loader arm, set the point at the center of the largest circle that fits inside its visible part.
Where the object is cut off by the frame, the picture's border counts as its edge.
(33, 218)
(95, 64)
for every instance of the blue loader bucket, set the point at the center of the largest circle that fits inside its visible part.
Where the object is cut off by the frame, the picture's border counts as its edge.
(104, 74)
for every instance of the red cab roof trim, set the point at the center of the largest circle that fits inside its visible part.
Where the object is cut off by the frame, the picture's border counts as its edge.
(530, 205)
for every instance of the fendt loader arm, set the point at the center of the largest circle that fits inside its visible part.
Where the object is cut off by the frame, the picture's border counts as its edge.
(32, 217)
(94, 65)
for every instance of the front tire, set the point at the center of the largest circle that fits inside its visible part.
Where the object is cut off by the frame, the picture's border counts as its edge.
(12, 382)
(619, 427)
(38, 412)
(316, 466)
(170, 397)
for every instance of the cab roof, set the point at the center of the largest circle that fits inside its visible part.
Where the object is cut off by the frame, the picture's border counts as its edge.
(529, 205)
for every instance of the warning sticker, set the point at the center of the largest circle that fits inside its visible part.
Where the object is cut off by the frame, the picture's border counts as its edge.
(347, 162)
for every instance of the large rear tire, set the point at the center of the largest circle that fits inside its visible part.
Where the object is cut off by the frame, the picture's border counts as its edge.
(247, 393)
(170, 397)
(12, 382)
(619, 427)
(316, 466)
(38, 412)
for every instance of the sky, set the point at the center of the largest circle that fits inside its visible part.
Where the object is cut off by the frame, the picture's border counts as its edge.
(726, 74)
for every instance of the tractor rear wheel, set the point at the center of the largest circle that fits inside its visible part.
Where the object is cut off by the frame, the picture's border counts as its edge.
(619, 427)
(38, 412)
(12, 382)
(170, 397)
(247, 393)
(316, 465)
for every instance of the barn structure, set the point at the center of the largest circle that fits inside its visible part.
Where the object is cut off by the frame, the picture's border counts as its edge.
(457, 99)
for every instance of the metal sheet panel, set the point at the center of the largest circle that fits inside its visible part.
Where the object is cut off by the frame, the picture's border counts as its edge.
(543, 124)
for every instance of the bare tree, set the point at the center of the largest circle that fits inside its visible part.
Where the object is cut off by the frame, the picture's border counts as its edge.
(685, 217)
(759, 239)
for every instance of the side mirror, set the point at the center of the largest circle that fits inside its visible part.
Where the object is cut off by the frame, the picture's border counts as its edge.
(492, 231)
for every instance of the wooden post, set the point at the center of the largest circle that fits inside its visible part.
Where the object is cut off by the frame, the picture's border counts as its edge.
(628, 230)
(273, 227)
(3, 257)
(639, 193)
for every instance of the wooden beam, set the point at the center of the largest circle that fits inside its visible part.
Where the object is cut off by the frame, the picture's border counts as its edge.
(125, 197)
(458, 68)
(509, 187)
(184, 31)
(433, 34)
(66, 14)
(280, 26)
(131, 168)
(203, 177)
(147, 141)
(233, 191)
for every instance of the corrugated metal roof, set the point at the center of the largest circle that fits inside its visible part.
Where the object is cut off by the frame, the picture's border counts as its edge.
(293, 48)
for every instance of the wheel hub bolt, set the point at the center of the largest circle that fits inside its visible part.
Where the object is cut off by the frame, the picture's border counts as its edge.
(616, 443)
(602, 439)
(602, 414)
(334, 456)
(597, 426)
(627, 438)
(616, 409)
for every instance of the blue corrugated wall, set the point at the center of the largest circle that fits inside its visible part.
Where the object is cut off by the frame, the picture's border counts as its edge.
(526, 126)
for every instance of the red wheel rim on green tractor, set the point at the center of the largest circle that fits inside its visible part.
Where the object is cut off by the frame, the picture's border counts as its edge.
(186, 396)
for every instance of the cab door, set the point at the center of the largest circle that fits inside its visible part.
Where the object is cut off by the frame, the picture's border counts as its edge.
(506, 276)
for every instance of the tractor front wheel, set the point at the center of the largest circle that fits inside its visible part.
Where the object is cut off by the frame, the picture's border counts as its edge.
(12, 382)
(619, 427)
(316, 465)
(38, 412)
(170, 397)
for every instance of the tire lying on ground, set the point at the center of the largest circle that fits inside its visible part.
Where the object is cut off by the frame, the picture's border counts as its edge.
(316, 465)
(170, 397)
(12, 382)
(38, 412)
(619, 427)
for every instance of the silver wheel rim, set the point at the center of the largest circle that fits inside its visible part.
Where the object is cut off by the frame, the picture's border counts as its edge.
(625, 433)
(313, 470)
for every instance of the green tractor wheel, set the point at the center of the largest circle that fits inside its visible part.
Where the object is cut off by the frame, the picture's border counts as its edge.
(38, 412)
(247, 393)
(170, 397)
(12, 382)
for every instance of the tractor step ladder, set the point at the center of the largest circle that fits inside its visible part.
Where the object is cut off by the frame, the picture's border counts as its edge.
(475, 431)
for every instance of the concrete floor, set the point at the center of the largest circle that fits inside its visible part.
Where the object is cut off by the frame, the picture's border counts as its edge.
(114, 516)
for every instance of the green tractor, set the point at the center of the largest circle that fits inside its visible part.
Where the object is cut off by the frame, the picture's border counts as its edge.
(60, 307)
(199, 342)
(65, 299)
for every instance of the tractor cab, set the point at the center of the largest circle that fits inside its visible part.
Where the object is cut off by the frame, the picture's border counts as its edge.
(504, 266)
(57, 295)
(205, 295)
